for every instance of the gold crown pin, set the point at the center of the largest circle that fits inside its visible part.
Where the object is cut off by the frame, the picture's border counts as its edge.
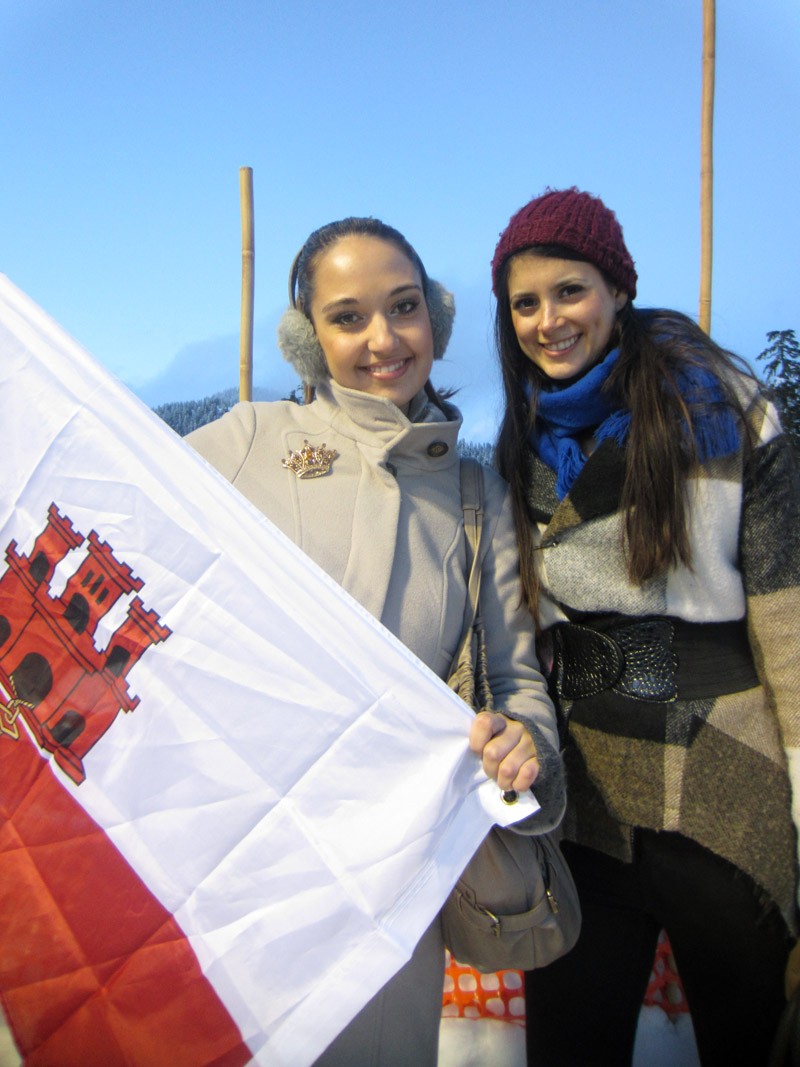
(310, 462)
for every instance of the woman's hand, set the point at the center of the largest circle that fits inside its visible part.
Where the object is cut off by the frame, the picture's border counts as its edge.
(507, 750)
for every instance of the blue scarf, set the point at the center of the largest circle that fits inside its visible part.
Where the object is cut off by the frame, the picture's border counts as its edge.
(563, 414)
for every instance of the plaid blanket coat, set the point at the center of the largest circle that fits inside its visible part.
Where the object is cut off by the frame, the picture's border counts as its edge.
(724, 771)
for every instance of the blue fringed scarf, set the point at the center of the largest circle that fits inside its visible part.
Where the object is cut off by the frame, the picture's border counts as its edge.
(563, 414)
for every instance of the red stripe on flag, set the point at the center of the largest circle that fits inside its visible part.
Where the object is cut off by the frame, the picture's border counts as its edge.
(94, 972)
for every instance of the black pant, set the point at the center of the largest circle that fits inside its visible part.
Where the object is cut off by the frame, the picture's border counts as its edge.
(730, 950)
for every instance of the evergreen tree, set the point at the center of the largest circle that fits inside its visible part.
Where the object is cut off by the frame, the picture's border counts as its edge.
(187, 415)
(782, 367)
(483, 452)
(296, 396)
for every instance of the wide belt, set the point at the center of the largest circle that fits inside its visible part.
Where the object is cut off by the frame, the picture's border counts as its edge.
(653, 658)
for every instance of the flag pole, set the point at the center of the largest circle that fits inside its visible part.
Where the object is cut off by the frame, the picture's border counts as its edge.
(707, 164)
(248, 276)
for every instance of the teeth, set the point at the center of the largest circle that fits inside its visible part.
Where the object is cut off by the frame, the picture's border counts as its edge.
(559, 346)
(385, 368)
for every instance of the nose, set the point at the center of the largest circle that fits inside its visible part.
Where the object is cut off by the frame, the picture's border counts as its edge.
(382, 337)
(549, 316)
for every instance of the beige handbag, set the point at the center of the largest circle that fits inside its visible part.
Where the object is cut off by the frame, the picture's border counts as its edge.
(515, 906)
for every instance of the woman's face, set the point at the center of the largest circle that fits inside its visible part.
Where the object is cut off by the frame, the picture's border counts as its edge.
(371, 318)
(563, 312)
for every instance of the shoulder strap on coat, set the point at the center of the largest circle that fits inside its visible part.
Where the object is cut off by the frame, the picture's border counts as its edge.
(469, 673)
(472, 506)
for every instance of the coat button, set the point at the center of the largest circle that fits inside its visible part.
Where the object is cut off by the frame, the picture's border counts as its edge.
(437, 449)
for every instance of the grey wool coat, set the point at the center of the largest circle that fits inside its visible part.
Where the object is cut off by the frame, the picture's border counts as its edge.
(386, 523)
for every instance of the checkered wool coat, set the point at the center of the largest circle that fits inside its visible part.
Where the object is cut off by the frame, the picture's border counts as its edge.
(724, 771)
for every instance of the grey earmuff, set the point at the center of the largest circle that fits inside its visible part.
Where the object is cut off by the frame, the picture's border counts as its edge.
(299, 345)
(441, 311)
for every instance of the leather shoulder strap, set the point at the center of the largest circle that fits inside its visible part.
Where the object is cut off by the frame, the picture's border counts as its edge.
(472, 506)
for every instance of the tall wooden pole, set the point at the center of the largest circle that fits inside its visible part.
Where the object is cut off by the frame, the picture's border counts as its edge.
(248, 277)
(707, 165)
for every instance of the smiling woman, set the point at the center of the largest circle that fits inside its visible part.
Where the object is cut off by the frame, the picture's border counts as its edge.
(371, 319)
(366, 480)
(563, 313)
(657, 501)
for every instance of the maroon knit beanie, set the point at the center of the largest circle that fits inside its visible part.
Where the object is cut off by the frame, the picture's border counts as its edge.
(577, 221)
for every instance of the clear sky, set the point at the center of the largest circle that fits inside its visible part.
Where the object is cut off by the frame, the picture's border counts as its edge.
(124, 123)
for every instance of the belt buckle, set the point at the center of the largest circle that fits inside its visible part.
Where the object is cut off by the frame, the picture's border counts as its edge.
(633, 658)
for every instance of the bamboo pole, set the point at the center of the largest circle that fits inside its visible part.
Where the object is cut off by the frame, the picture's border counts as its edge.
(248, 277)
(707, 165)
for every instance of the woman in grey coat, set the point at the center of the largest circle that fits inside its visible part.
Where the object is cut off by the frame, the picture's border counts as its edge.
(365, 479)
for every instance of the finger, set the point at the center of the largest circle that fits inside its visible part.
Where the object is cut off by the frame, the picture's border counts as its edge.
(518, 766)
(522, 780)
(512, 737)
(485, 726)
(510, 757)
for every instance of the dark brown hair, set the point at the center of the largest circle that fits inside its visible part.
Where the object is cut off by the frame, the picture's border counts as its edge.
(301, 280)
(655, 346)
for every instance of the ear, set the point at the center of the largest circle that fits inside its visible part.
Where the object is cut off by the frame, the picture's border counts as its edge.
(441, 311)
(300, 346)
(620, 299)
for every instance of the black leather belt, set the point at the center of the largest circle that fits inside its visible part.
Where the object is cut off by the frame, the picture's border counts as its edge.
(652, 658)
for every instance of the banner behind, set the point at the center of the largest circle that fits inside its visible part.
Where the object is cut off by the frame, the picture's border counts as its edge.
(221, 827)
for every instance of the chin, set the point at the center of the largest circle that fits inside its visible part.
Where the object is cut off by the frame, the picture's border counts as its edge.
(400, 400)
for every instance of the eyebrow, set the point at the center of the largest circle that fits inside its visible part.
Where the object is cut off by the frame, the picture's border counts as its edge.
(349, 301)
(567, 279)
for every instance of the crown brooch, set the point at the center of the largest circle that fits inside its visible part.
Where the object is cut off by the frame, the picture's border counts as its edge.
(310, 462)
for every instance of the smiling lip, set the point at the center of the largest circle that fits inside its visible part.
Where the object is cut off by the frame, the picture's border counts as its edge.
(392, 369)
(560, 348)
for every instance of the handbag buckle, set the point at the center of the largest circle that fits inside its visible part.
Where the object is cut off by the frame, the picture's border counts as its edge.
(496, 923)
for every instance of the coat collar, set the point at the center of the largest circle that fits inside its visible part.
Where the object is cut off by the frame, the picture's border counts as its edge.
(597, 490)
(374, 422)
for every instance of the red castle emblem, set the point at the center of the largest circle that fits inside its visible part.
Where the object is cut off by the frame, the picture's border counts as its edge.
(51, 673)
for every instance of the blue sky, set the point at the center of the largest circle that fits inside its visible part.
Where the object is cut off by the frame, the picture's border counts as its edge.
(124, 125)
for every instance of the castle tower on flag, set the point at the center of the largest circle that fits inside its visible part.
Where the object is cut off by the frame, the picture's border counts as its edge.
(51, 672)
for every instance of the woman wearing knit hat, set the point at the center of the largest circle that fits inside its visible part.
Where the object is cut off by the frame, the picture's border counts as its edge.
(657, 509)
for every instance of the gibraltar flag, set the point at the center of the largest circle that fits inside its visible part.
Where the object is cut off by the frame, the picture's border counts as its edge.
(223, 826)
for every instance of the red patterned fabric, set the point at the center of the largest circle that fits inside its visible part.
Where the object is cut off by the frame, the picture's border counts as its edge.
(471, 995)
(665, 990)
(468, 994)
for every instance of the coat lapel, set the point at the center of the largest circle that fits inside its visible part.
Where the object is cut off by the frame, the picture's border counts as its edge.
(597, 490)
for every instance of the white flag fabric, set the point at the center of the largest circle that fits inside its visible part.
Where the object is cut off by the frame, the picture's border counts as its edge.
(221, 828)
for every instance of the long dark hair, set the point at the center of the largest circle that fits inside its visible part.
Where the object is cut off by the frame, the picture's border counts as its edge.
(655, 345)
